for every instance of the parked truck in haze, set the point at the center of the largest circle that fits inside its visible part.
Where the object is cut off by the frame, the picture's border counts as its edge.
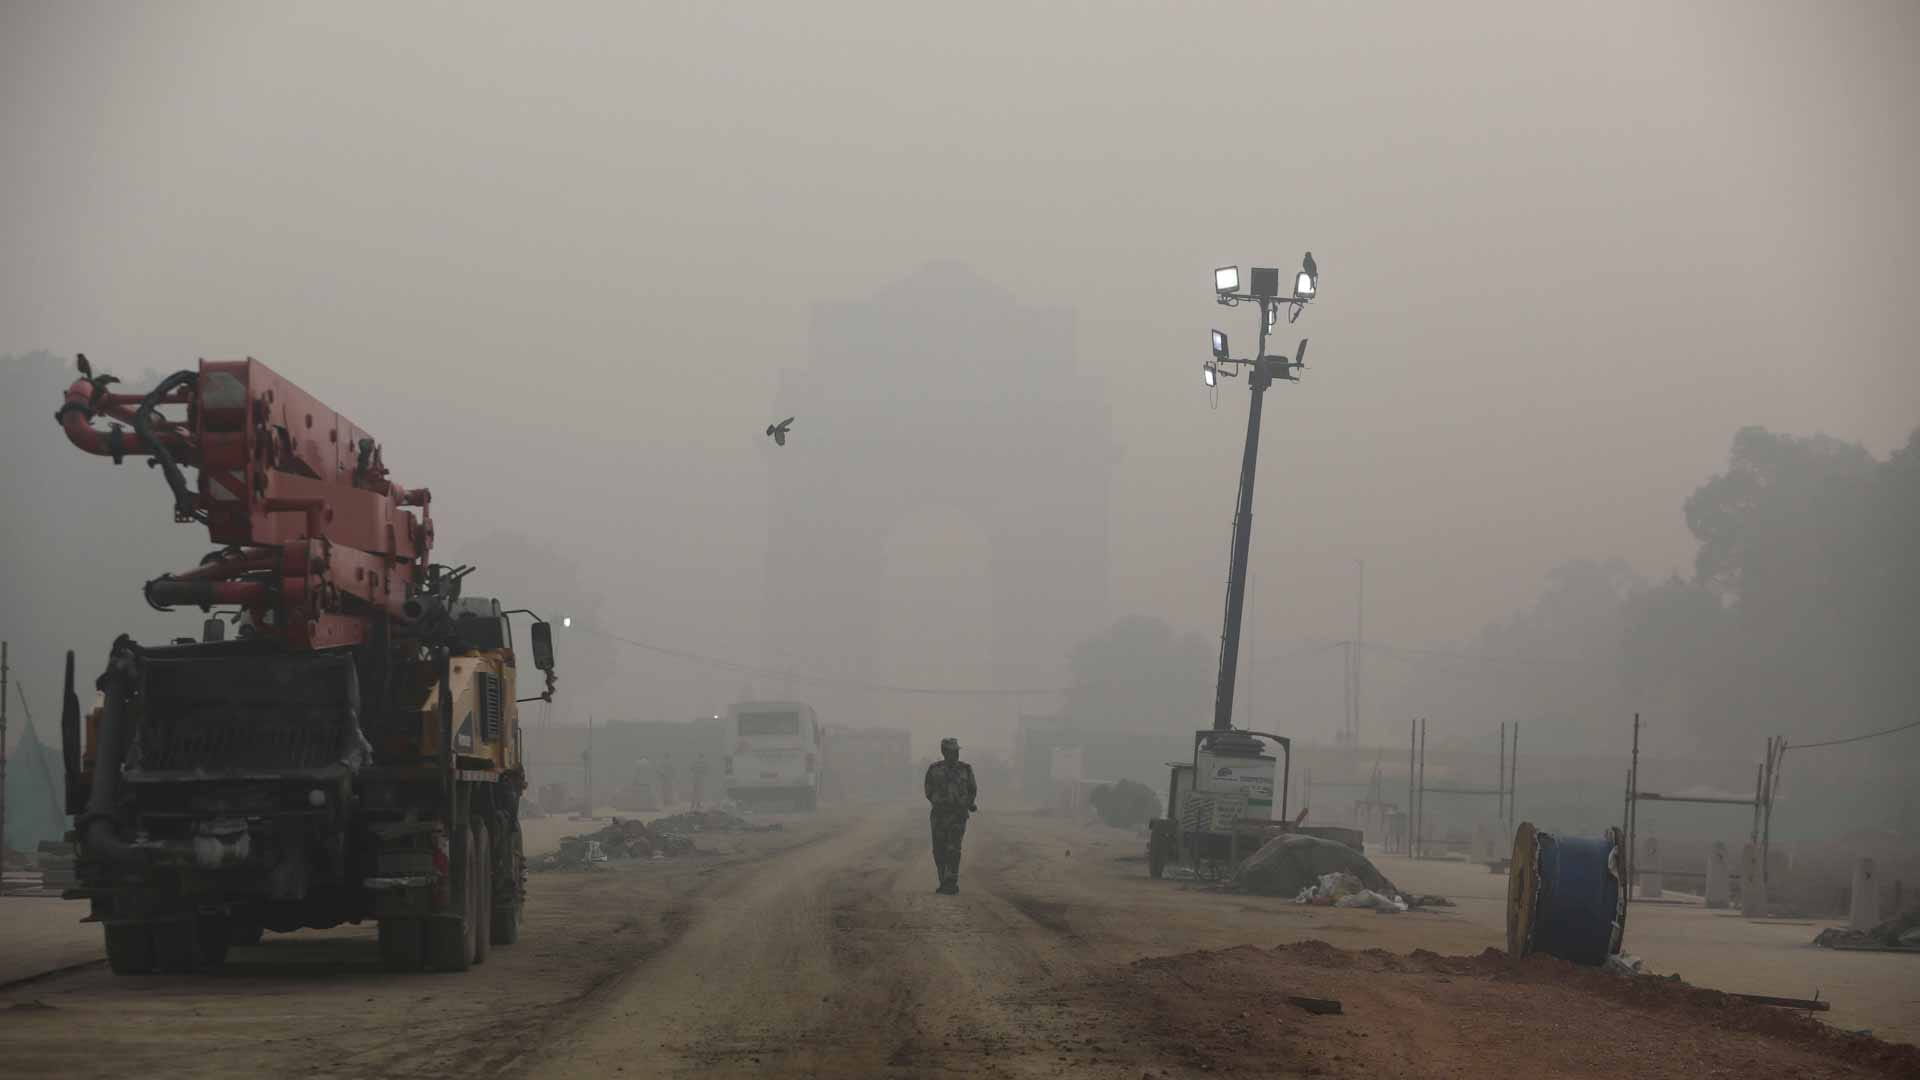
(353, 751)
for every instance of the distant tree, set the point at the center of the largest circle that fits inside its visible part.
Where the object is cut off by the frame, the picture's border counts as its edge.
(1785, 505)
(1804, 610)
(1674, 655)
(1139, 675)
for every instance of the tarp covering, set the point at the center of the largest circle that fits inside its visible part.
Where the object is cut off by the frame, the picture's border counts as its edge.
(1291, 862)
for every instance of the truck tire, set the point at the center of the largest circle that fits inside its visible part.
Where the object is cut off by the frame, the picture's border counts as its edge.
(450, 935)
(403, 944)
(245, 934)
(130, 948)
(176, 946)
(483, 900)
(509, 879)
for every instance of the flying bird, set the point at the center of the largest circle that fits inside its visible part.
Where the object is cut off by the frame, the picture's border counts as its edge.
(779, 431)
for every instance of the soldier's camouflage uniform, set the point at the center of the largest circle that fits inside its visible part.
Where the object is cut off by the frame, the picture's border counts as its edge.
(951, 790)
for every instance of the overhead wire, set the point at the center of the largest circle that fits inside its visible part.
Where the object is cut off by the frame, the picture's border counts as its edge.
(1851, 738)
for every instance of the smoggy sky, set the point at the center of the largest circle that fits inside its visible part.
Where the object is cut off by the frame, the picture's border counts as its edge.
(556, 255)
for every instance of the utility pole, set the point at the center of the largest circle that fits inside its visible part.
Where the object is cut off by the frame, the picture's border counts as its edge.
(1513, 776)
(4, 673)
(1633, 807)
(1261, 371)
(1359, 651)
(1500, 813)
(1246, 707)
(588, 758)
(1423, 779)
(1413, 738)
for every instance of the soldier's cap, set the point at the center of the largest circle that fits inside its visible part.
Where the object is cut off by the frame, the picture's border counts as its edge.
(949, 741)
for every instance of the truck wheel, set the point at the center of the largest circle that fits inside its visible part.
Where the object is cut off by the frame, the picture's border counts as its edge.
(176, 947)
(403, 944)
(130, 948)
(212, 935)
(246, 934)
(450, 936)
(509, 878)
(483, 892)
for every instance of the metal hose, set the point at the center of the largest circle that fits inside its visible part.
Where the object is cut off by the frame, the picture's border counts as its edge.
(182, 495)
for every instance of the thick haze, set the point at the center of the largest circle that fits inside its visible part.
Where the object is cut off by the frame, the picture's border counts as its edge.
(557, 257)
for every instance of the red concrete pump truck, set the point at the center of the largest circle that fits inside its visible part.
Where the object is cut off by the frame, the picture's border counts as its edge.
(351, 752)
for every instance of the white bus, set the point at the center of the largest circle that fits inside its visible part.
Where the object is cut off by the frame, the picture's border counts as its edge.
(773, 754)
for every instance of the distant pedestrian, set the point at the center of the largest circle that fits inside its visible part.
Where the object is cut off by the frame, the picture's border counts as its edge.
(951, 790)
(699, 775)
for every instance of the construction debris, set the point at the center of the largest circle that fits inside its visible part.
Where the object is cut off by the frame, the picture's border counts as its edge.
(1812, 1004)
(620, 839)
(1898, 934)
(1316, 1006)
(1340, 889)
(1290, 863)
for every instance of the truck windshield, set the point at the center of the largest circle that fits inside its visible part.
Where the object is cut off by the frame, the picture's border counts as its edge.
(780, 723)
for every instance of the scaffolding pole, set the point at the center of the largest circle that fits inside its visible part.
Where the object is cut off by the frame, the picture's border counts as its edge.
(1766, 781)
(1418, 788)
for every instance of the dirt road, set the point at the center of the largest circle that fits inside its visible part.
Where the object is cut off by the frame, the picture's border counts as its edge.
(823, 951)
(842, 962)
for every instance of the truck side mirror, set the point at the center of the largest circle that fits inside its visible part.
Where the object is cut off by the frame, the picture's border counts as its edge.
(543, 646)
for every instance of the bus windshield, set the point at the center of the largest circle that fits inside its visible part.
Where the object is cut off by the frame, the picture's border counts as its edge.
(769, 723)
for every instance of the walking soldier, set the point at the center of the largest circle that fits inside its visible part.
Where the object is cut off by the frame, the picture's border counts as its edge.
(951, 790)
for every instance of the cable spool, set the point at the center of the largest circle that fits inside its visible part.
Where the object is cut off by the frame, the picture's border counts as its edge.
(1565, 896)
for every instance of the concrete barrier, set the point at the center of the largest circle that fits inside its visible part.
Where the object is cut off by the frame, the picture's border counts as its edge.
(1717, 891)
(1864, 914)
(1651, 881)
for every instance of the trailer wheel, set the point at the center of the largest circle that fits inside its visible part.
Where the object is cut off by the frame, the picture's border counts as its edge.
(130, 948)
(483, 892)
(176, 947)
(403, 944)
(509, 883)
(450, 936)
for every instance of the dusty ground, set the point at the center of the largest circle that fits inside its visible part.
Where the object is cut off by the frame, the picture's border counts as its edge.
(821, 950)
(317, 1003)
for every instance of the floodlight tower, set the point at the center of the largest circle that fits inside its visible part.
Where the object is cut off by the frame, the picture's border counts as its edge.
(1262, 369)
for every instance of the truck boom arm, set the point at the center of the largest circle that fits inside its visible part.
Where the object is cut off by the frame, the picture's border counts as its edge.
(317, 543)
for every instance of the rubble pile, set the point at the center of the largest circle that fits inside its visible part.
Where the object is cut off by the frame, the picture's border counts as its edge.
(1314, 870)
(621, 838)
(1899, 932)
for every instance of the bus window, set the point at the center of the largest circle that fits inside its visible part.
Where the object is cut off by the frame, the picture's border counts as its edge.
(781, 723)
